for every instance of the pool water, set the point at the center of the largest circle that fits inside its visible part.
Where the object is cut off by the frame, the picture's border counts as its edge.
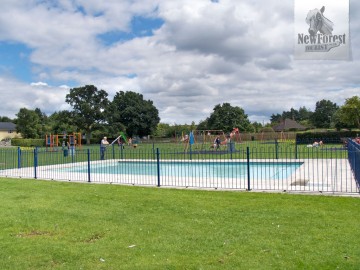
(274, 170)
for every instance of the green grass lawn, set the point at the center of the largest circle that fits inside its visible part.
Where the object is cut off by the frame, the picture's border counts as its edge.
(57, 225)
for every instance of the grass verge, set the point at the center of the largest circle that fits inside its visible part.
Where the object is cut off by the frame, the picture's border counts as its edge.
(57, 225)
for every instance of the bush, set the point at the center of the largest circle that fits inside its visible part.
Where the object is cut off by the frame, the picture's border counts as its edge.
(326, 137)
(267, 129)
(28, 142)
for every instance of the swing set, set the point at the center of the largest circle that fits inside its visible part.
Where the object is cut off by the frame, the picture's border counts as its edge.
(204, 139)
(235, 135)
(53, 140)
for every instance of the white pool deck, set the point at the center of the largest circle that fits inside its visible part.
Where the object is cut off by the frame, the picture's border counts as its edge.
(316, 176)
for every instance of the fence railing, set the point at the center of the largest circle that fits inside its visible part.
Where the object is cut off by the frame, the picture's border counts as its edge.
(332, 169)
(354, 159)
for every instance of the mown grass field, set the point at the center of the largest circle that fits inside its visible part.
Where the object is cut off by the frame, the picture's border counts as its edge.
(57, 225)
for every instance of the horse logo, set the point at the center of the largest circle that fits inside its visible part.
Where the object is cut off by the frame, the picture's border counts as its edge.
(318, 22)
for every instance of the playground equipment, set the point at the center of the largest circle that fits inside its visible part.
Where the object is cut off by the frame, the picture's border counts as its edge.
(122, 139)
(72, 140)
(188, 140)
(235, 135)
(211, 135)
(122, 136)
(204, 139)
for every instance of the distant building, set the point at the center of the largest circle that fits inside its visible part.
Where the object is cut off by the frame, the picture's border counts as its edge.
(8, 131)
(287, 125)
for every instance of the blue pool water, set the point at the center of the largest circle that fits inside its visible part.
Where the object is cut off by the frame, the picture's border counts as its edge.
(261, 170)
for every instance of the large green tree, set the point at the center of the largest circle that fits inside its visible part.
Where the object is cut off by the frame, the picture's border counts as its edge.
(163, 130)
(349, 113)
(5, 119)
(303, 114)
(324, 111)
(88, 105)
(129, 110)
(256, 126)
(292, 114)
(62, 122)
(226, 117)
(31, 123)
(276, 118)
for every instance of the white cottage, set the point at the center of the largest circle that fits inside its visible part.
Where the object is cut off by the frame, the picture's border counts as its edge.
(8, 131)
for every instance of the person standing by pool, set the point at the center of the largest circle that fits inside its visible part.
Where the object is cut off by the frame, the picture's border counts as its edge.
(71, 145)
(121, 142)
(103, 145)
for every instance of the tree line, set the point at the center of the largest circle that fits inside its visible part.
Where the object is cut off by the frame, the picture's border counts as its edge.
(94, 115)
(327, 114)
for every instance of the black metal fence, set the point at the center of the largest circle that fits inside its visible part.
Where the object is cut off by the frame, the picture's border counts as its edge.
(354, 159)
(263, 167)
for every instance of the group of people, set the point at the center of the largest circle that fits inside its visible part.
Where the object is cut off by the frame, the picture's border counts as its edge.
(217, 142)
(69, 147)
(317, 144)
(104, 143)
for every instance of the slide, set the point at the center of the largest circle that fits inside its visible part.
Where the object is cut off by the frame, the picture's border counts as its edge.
(123, 136)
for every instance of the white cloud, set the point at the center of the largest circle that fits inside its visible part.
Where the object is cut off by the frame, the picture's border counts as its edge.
(38, 84)
(16, 95)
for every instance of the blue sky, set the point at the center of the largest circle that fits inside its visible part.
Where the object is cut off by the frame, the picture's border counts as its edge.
(186, 56)
(139, 27)
(14, 59)
(15, 56)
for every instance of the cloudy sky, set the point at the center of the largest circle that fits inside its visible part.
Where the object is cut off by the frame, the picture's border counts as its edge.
(185, 55)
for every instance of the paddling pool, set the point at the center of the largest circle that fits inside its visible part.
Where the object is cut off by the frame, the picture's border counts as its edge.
(224, 169)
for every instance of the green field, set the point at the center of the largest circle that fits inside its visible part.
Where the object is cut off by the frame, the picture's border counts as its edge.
(56, 225)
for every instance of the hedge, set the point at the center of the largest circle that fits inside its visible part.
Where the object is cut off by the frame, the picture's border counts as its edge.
(41, 142)
(28, 142)
(325, 137)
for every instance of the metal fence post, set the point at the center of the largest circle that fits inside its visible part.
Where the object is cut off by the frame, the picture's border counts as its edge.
(35, 162)
(248, 167)
(19, 157)
(72, 153)
(158, 166)
(296, 150)
(113, 151)
(153, 150)
(88, 159)
(190, 153)
(276, 149)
